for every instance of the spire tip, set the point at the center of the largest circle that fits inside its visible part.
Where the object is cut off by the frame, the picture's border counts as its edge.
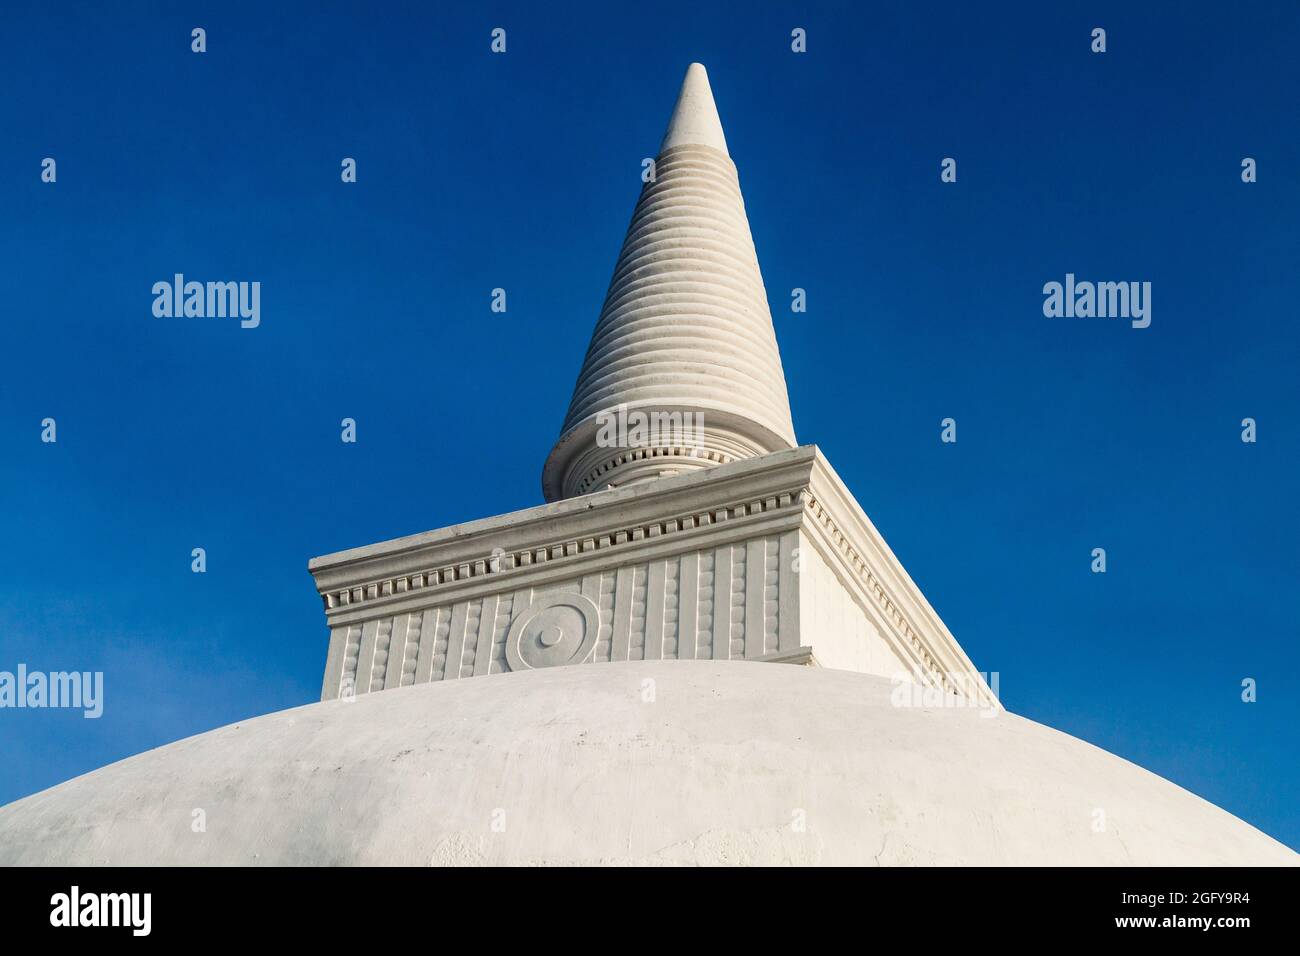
(695, 118)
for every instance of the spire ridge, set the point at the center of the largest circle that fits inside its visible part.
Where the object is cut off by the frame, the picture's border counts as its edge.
(683, 370)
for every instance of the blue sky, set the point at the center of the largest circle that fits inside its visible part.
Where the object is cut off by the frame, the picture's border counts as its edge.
(519, 171)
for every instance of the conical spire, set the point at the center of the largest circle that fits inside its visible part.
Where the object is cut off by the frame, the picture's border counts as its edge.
(695, 119)
(683, 370)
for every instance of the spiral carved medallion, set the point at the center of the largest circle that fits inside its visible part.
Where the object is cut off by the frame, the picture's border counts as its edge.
(554, 629)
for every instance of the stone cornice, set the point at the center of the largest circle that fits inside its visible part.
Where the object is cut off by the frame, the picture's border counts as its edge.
(883, 587)
(566, 538)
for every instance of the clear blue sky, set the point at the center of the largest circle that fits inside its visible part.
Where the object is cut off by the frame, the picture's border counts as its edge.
(520, 171)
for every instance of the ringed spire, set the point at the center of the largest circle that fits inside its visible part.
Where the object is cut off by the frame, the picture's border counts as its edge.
(683, 361)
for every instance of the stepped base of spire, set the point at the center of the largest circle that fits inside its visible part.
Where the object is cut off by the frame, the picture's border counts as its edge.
(764, 559)
(640, 442)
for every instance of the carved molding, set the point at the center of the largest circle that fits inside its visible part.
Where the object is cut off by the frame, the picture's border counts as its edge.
(886, 604)
(675, 455)
(501, 562)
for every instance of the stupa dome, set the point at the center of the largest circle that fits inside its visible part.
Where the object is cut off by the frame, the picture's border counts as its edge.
(651, 762)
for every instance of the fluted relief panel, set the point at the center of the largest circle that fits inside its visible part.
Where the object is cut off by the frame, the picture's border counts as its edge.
(722, 603)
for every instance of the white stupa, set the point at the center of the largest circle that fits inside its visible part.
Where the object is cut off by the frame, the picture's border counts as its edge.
(596, 679)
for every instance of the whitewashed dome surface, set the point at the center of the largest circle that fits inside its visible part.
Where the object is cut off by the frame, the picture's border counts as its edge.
(728, 763)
